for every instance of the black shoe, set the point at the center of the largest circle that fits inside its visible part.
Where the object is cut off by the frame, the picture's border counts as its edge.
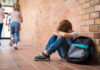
(42, 57)
(15, 48)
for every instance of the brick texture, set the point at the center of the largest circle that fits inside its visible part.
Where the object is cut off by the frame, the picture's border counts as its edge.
(97, 21)
(89, 22)
(85, 28)
(94, 2)
(82, 1)
(98, 49)
(97, 8)
(97, 35)
(95, 15)
(97, 41)
(90, 9)
(94, 28)
(85, 17)
(86, 5)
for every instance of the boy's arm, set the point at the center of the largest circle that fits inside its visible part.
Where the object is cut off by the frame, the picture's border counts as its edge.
(69, 35)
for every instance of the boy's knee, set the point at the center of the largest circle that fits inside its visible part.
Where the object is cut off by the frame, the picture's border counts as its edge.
(61, 38)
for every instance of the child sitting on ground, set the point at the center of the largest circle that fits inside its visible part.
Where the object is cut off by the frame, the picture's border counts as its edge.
(60, 41)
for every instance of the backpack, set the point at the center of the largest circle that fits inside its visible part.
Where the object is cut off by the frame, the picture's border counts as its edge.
(81, 50)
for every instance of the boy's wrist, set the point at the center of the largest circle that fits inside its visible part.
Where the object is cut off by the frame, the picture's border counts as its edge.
(62, 34)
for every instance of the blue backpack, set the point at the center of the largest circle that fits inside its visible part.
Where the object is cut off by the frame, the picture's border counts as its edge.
(81, 50)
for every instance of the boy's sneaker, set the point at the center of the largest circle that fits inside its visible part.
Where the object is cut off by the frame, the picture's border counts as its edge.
(15, 47)
(11, 42)
(42, 57)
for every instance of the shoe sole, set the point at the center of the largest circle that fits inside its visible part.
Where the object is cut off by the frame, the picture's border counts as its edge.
(41, 59)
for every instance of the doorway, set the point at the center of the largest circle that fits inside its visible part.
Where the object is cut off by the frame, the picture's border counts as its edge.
(6, 29)
(7, 6)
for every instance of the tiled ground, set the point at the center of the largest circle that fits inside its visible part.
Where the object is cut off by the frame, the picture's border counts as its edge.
(21, 59)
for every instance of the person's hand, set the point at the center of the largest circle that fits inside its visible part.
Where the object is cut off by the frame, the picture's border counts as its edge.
(57, 34)
(61, 33)
(6, 24)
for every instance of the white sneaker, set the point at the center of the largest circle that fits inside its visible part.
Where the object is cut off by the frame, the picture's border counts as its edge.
(15, 47)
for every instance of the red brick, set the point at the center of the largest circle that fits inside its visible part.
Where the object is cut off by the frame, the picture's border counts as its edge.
(88, 0)
(97, 41)
(88, 34)
(90, 9)
(89, 22)
(82, 23)
(97, 35)
(95, 15)
(85, 17)
(82, 12)
(97, 21)
(94, 2)
(85, 28)
(98, 49)
(82, 1)
(97, 8)
(86, 5)
(94, 28)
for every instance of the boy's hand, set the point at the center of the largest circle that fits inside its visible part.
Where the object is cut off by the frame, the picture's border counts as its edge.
(67, 35)
(62, 33)
(57, 34)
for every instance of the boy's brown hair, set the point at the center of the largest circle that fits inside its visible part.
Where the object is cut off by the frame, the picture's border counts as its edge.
(64, 26)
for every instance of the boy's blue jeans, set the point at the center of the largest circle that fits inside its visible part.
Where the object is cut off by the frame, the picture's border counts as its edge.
(15, 31)
(57, 44)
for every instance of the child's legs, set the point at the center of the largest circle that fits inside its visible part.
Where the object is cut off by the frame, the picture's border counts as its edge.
(60, 53)
(1, 26)
(12, 30)
(51, 40)
(16, 32)
(16, 36)
(56, 45)
(63, 50)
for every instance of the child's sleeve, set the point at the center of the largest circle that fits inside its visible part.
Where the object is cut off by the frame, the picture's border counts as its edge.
(75, 34)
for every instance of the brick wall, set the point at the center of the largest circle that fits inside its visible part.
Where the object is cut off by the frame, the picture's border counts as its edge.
(41, 18)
